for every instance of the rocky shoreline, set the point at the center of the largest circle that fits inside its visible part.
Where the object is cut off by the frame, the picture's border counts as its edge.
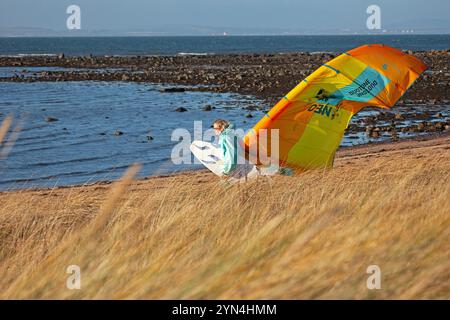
(424, 108)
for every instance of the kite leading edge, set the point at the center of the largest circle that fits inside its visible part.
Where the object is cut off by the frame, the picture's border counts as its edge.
(313, 116)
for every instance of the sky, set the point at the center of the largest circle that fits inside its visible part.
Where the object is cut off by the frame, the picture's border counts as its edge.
(233, 15)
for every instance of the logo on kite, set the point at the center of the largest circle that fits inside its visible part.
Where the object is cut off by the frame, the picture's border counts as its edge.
(322, 95)
(324, 109)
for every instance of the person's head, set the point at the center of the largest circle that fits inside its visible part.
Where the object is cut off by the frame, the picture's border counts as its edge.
(219, 125)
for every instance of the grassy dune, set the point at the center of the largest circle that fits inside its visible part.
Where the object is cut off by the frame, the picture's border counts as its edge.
(185, 236)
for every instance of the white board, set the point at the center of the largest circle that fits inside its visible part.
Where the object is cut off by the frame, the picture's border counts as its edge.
(209, 155)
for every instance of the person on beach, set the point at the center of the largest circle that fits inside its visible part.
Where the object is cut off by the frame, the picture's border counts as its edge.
(235, 166)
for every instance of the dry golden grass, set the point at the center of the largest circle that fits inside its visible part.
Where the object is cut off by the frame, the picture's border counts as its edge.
(185, 236)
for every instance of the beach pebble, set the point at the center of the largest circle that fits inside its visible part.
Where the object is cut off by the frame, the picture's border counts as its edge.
(394, 134)
(421, 126)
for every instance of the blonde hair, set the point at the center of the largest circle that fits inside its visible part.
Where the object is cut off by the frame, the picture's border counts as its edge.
(223, 124)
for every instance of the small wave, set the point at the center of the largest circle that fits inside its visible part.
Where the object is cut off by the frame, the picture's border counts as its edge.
(322, 52)
(79, 173)
(39, 126)
(23, 141)
(54, 146)
(193, 53)
(19, 55)
(44, 164)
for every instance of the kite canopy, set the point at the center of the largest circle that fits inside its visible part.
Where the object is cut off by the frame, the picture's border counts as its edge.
(313, 116)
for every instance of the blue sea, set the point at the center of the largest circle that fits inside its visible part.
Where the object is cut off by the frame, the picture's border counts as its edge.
(103, 127)
(212, 44)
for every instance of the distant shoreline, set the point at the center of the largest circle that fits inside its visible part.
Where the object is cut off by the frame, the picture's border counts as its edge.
(171, 45)
(357, 34)
(265, 75)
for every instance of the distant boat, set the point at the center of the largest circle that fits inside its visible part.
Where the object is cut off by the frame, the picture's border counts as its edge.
(225, 34)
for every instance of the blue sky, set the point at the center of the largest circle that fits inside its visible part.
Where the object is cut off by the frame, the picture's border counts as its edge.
(315, 15)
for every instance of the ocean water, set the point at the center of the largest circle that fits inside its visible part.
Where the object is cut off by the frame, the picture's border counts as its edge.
(212, 44)
(82, 146)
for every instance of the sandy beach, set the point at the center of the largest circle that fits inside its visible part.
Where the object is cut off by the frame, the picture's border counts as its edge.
(347, 158)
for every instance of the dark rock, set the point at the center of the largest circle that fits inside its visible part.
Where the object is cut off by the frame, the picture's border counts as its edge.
(375, 134)
(249, 115)
(439, 126)
(181, 109)
(250, 108)
(173, 89)
(149, 138)
(118, 133)
(50, 119)
(208, 107)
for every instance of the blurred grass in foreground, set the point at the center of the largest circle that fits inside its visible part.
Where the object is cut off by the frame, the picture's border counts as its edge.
(184, 236)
